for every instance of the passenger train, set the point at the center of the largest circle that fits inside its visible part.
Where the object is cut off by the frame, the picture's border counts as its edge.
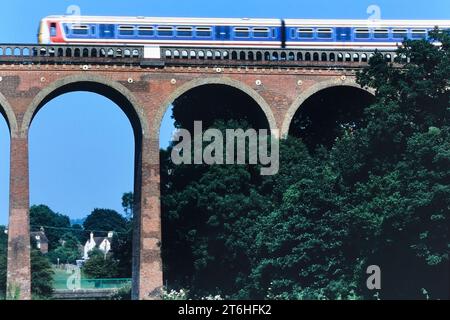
(249, 33)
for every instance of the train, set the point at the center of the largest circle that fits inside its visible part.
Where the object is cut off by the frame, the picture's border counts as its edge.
(232, 32)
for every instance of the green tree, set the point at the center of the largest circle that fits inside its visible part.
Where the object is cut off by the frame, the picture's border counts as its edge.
(68, 250)
(400, 197)
(378, 194)
(79, 233)
(209, 214)
(122, 251)
(127, 204)
(105, 220)
(55, 224)
(100, 266)
(41, 275)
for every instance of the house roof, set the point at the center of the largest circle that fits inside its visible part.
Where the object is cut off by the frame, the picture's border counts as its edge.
(99, 240)
(41, 234)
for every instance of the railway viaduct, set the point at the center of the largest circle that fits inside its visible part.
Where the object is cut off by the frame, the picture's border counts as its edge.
(278, 80)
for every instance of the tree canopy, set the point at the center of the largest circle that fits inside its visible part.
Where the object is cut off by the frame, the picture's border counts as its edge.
(105, 220)
(375, 192)
(100, 266)
(55, 224)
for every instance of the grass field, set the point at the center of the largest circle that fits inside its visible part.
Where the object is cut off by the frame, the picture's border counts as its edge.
(61, 276)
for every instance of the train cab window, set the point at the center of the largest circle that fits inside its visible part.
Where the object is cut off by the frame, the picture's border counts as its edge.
(400, 33)
(165, 31)
(261, 32)
(242, 32)
(362, 34)
(203, 32)
(80, 30)
(146, 31)
(324, 33)
(305, 33)
(126, 30)
(53, 30)
(419, 34)
(184, 31)
(381, 34)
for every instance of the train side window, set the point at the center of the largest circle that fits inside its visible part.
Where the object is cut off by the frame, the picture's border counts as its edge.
(242, 32)
(126, 30)
(419, 34)
(362, 34)
(261, 32)
(184, 31)
(381, 34)
(80, 30)
(203, 32)
(93, 30)
(165, 31)
(305, 33)
(146, 31)
(324, 33)
(292, 33)
(53, 30)
(400, 33)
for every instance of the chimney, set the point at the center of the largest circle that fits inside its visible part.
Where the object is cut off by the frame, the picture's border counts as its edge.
(92, 237)
(110, 234)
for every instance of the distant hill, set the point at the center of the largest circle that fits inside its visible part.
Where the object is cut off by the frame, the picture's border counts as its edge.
(77, 221)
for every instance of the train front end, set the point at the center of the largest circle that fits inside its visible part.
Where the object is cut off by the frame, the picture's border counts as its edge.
(44, 32)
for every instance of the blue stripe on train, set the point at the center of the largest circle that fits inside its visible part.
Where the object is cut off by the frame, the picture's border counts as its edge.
(218, 33)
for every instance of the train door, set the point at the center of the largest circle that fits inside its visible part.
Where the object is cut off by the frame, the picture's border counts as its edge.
(343, 34)
(107, 30)
(223, 33)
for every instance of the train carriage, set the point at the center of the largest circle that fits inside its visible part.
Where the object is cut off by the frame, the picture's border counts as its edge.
(357, 34)
(190, 32)
(248, 33)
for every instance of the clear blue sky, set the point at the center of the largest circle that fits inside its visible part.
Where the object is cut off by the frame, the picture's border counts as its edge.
(81, 145)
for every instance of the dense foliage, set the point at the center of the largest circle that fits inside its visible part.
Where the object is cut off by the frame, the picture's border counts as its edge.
(105, 220)
(65, 246)
(41, 275)
(55, 224)
(100, 265)
(68, 250)
(41, 271)
(376, 191)
(63, 238)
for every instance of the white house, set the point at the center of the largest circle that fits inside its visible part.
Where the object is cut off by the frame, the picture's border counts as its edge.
(102, 243)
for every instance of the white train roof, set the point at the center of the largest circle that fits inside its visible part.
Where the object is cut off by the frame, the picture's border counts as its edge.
(369, 23)
(167, 20)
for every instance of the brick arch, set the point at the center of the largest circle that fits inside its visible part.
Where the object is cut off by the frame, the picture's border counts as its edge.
(120, 95)
(110, 89)
(8, 114)
(265, 108)
(298, 102)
